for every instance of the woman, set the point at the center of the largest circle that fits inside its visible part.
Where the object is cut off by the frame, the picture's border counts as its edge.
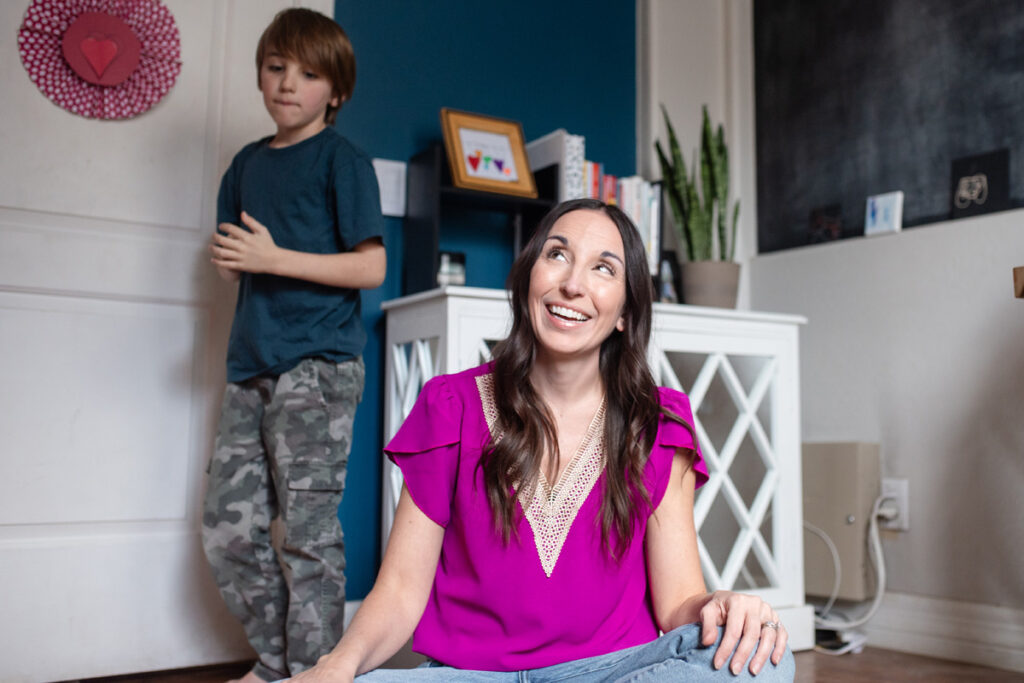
(498, 570)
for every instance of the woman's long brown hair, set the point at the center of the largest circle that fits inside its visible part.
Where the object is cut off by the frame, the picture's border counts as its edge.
(526, 426)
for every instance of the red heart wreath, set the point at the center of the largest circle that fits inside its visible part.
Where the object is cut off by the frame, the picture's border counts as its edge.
(101, 59)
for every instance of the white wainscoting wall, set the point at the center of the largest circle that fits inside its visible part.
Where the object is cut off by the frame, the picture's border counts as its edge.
(112, 329)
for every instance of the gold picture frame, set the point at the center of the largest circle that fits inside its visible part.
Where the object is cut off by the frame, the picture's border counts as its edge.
(487, 153)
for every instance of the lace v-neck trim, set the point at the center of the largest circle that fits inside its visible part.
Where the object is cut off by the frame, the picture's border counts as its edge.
(551, 511)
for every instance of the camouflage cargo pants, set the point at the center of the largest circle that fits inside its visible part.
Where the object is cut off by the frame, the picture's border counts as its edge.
(282, 449)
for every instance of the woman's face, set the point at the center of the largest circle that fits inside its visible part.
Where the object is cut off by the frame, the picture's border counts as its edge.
(578, 285)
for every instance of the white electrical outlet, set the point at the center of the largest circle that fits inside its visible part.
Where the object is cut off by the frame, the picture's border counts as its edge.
(898, 491)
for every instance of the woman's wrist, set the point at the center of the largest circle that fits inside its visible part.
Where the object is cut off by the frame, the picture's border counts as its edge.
(340, 664)
(688, 612)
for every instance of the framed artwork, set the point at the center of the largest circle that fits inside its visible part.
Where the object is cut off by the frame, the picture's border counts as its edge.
(981, 184)
(883, 213)
(826, 224)
(487, 153)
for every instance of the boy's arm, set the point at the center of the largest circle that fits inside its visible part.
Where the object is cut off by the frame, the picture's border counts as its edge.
(227, 209)
(228, 275)
(253, 251)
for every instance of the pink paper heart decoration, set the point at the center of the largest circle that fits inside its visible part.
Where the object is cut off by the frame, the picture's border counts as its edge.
(99, 53)
(105, 77)
(101, 48)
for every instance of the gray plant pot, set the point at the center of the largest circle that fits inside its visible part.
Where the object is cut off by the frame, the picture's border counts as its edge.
(710, 283)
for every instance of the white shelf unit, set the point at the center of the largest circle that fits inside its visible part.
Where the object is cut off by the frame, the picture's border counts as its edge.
(741, 372)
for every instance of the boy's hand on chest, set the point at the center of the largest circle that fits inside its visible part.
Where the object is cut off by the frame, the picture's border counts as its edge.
(250, 251)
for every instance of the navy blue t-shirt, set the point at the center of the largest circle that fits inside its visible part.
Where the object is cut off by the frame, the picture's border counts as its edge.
(320, 196)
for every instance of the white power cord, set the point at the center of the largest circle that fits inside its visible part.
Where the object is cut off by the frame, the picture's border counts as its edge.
(836, 565)
(856, 641)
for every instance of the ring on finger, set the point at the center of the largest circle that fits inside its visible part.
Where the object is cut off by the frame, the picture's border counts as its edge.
(771, 624)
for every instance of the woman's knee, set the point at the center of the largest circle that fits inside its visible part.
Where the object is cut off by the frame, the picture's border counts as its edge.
(702, 658)
(783, 672)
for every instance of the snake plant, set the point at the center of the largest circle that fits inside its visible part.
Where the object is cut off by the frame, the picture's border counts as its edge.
(698, 213)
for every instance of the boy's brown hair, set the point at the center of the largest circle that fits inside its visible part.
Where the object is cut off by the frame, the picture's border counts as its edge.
(316, 42)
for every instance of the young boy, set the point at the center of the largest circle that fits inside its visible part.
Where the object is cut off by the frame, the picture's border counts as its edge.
(300, 229)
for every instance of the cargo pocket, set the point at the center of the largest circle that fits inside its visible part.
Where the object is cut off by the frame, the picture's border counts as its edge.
(314, 493)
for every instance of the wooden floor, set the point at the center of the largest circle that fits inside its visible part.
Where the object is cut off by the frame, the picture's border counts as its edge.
(871, 666)
(888, 666)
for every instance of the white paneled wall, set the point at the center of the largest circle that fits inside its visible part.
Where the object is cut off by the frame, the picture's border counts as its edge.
(112, 330)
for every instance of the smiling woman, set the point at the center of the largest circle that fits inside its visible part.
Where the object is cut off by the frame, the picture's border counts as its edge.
(578, 288)
(587, 258)
(506, 557)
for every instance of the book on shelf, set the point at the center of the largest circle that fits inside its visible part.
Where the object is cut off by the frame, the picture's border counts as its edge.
(653, 219)
(610, 189)
(641, 201)
(593, 171)
(564, 153)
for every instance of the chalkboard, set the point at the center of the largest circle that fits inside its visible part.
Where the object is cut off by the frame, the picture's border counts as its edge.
(861, 97)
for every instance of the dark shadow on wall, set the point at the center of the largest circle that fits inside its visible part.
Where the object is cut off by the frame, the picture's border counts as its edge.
(860, 97)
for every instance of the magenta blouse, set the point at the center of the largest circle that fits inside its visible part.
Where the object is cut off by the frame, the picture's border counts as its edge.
(551, 595)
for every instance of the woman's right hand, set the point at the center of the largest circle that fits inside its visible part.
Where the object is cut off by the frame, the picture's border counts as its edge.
(389, 613)
(750, 626)
(327, 670)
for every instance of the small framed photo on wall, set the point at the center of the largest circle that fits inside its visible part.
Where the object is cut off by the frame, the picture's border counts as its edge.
(883, 213)
(487, 153)
(981, 184)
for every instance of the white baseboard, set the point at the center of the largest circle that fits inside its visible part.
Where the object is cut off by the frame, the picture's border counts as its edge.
(799, 622)
(961, 631)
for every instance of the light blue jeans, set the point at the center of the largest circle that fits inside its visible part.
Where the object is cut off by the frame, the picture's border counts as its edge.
(675, 656)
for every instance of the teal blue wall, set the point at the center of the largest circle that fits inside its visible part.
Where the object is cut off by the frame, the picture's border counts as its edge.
(547, 64)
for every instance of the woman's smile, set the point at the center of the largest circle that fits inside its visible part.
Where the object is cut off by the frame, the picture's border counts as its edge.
(578, 285)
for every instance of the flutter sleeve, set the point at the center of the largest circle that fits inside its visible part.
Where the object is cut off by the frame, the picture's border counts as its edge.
(671, 437)
(426, 449)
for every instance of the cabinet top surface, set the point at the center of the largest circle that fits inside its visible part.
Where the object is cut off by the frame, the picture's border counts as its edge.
(446, 292)
(482, 293)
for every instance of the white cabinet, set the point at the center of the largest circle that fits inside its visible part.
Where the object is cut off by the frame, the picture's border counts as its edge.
(741, 371)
